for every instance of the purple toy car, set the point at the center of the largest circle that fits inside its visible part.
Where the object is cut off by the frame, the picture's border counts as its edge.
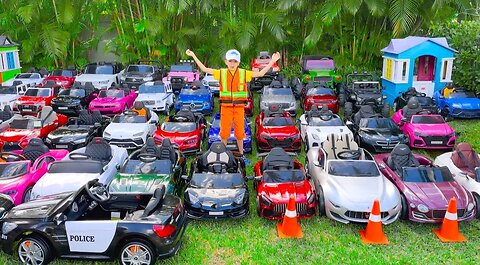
(113, 101)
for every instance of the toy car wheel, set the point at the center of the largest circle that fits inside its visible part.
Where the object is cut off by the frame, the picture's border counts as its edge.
(137, 252)
(27, 194)
(476, 197)
(258, 207)
(347, 112)
(445, 111)
(167, 109)
(386, 110)
(32, 250)
(404, 210)
(358, 140)
(341, 98)
(321, 202)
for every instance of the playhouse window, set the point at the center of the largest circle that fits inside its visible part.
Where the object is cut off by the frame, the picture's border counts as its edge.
(447, 66)
(402, 71)
(388, 69)
(2, 65)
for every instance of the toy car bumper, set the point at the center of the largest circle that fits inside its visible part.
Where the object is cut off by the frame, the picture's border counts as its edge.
(29, 109)
(107, 110)
(290, 144)
(437, 216)
(333, 106)
(133, 84)
(227, 212)
(465, 114)
(126, 143)
(276, 210)
(70, 146)
(343, 215)
(195, 107)
(433, 142)
(232, 144)
(67, 110)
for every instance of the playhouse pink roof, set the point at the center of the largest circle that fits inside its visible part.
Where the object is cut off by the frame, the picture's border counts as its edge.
(397, 46)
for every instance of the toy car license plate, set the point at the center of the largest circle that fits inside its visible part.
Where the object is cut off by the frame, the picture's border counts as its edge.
(216, 213)
(27, 107)
(436, 142)
(62, 146)
(63, 108)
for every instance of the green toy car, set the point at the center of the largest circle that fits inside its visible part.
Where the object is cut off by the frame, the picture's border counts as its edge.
(321, 69)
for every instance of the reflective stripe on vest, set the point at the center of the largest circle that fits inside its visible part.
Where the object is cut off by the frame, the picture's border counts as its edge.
(238, 91)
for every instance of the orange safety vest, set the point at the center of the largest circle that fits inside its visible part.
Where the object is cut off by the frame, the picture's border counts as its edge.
(233, 87)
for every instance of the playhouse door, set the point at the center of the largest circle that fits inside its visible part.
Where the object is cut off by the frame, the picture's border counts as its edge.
(425, 74)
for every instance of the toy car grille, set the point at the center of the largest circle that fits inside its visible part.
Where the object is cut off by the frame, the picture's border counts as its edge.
(176, 80)
(362, 215)
(439, 214)
(287, 142)
(280, 105)
(387, 143)
(321, 79)
(213, 83)
(148, 102)
(193, 105)
(281, 208)
(435, 140)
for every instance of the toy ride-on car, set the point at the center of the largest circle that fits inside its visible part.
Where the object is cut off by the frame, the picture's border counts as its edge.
(464, 164)
(214, 135)
(425, 189)
(278, 176)
(276, 128)
(113, 101)
(363, 89)
(279, 95)
(182, 74)
(35, 98)
(71, 101)
(216, 187)
(186, 129)
(20, 170)
(144, 71)
(78, 132)
(347, 181)
(157, 96)
(319, 95)
(197, 96)
(425, 102)
(316, 125)
(321, 69)
(62, 77)
(102, 75)
(375, 132)
(148, 168)
(424, 129)
(89, 224)
(260, 62)
(458, 104)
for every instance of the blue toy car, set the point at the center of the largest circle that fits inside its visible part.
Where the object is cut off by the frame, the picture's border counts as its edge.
(197, 96)
(458, 104)
(213, 135)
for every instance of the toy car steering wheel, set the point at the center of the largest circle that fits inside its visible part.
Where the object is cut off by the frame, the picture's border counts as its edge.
(217, 166)
(326, 117)
(147, 157)
(349, 155)
(425, 111)
(97, 191)
(11, 157)
(180, 118)
(79, 156)
(280, 166)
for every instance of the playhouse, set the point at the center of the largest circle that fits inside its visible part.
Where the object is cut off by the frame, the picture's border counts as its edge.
(9, 60)
(420, 62)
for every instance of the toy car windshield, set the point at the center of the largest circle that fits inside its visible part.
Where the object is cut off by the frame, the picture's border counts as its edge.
(141, 69)
(151, 89)
(154, 167)
(111, 93)
(181, 68)
(317, 121)
(282, 176)
(427, 119)
(319, 64)
(179, 126)
(99, 69)
(12, 170)
(129, 119)
(277, 121)
(377, 123)
(7, 90)
(353, 168)
(76, 166)
(66, 73)
(319, 91)
(425, 174)
(217, 181)
(22, 124)
(74, 92)
(36, 92)
(370, 86)
(197, 91)
(277, 91)
(25, 76)
(462, 94)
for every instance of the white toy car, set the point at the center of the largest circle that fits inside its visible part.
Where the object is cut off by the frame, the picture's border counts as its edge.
(347, 181)
(157, 96)
(464, 164)
(214, 85)
(30, 79)
(316, 125)
(130, 130)
(98, 160)
(9, 94)
(102, 75)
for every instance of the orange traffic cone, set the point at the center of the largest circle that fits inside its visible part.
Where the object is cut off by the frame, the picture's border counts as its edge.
(373, 234)
(290, 228)
(449, 232)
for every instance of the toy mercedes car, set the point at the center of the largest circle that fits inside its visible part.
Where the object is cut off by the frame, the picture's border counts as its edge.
(276, 128)
(71, 101)
(89, 223)
(279, 95)
(157, 96)
(197, 96)
(102, 74)
(113, 101)
(141, 72)
(216, 187)
(10, 94)
(214, 130)
(347, 181)
(425, 189)
(458, 104)
(278, 176)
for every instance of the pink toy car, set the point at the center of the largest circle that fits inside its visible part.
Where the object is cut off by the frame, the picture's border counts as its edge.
(113, 101)
(20, 170)
(424, 129)
(182, 74)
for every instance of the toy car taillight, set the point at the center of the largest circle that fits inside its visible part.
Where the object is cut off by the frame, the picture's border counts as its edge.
(164, 230)
(338, 78)
(307, 78)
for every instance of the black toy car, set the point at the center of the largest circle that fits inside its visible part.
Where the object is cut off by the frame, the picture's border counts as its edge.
(71, 101)
(425, 102)
(90, 223)
(78, 132)
(216, 187)
(363, 89)
(141, 72)
(374, 132)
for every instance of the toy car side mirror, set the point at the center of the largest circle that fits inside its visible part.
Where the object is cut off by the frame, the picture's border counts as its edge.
(404, 119)
(60, 218)
(316, 163)
(257, 178)
(154, 122)
(185, 177)
(95, 94)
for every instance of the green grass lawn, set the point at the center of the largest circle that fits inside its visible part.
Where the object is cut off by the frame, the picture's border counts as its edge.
(253, 240)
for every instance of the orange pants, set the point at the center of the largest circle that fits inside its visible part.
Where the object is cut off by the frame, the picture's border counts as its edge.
(232, 113)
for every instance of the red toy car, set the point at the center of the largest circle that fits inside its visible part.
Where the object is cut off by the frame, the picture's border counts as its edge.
(276, 178)
(257, 65)
(249, 105)
(319, 96)
(186, 129)
(24, 128)
(34, 99)
(276, 128)
(62, 77)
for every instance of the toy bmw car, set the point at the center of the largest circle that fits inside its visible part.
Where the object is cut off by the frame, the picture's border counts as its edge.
(144, 71)
(197, 96)
(71, 101)
(213, 135)
(458, 104)
(90, 223)
(102, 75)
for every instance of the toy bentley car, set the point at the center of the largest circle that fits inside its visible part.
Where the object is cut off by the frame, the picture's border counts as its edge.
(90, 223)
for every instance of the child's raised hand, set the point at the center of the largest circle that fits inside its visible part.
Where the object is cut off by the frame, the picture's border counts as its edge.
(189, 53)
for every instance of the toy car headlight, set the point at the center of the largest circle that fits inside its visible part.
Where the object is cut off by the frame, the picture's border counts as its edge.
(417, 134)
(266, 201)
(193, 198)
(311, 198)
(451, 135)
(138, 134)
(148, 78)
(315, 137)
(422, 208)
(122, 77)
(265, 104)
(354, 97)
(48, 140)
(79, 141)
(239, 197)
(106, 134)
(8, 227)
(470, 206)
(379, 99)
(292, 104)
(206, 104)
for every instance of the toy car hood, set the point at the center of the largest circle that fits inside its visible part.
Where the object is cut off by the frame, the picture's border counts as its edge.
(279, 99)
(436, 195)
(25, 81)
(219, 197)
(30, 100)
(465, 103)
(13, 135)
(281, 192)
(51, 182)
(433, 129)
(152, 96)
(93, 77)
(108, 100)
(10, 183)
(187, 98)
(75, 132)
(40, 208)
(280, 131)
(324, 131)
(5, 99)
(138, 184)
(381, 134)
(126, 130)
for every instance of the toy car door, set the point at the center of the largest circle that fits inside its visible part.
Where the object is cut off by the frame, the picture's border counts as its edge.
(90, 236)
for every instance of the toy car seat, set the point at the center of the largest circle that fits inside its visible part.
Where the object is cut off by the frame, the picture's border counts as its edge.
(47, 115)
(217, 153)
(141, 110)
(400, 157)
(186, 113)
(34, 149)
(156, 202)
(365, 111)
(412, 108)
(465, 158)
(151, 148)
(17, 83)
(50, 83)
(6, 114)
(448, 90)
(43, 72)
(276, 159)
(167, 152)
(89, 86)
(99, 150)
(344, 142)
(84, 118)
(97, 117)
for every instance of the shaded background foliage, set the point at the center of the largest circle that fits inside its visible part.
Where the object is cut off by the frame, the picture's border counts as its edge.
(56, 33)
